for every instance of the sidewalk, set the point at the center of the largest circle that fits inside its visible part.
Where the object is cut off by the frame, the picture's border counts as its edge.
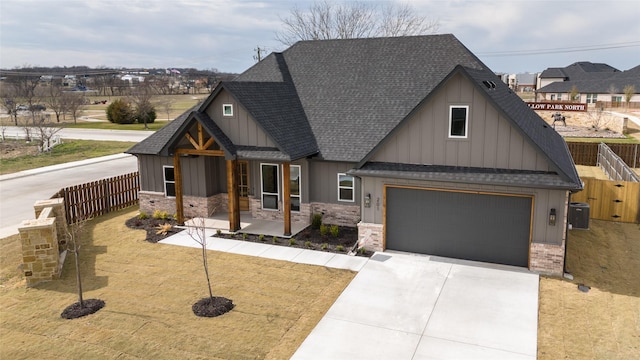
(63, 166)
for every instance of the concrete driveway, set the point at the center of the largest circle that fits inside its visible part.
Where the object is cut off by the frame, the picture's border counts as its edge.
(403, 306)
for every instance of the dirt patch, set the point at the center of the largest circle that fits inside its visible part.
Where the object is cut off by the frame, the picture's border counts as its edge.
(602, 323)
(585, 124)
(15, 148)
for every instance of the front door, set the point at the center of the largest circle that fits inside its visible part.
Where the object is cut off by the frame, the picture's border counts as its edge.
(243, 185)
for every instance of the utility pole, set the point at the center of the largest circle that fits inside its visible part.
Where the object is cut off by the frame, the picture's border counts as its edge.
(258, 56)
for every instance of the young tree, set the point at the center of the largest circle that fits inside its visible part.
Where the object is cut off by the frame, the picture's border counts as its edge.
(9, 96)
(628, 91)
(83, 307)
(573, 94)
(54, 98)
(166, 105)
(73, 103)
(327, 20)
(45, 131)
(213, 305)
(141, 96)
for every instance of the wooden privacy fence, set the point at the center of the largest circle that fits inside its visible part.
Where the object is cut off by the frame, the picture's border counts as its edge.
(99, 197)
(611, 200)
(587, 153)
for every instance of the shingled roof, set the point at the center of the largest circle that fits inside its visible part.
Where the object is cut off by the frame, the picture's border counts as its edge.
(338, 99)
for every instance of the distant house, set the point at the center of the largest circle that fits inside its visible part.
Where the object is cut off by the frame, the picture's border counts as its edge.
(596, 84)
(411, 139)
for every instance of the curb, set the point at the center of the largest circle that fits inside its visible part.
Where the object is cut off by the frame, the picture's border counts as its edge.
(63, 166)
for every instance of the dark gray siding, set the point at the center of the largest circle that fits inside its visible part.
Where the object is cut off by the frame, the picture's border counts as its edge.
(323, 183)
(492, 142)
(241, 128)
(201, 176)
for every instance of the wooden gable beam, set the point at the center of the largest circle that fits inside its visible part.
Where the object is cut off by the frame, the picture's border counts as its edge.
(200, 144)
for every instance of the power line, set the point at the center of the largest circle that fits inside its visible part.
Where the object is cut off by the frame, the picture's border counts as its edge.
(568, 49)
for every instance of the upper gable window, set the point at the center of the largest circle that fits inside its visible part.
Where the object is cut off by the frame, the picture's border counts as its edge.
(227, 109)
(458, 121)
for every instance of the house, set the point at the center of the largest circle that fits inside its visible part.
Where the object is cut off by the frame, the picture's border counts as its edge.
(595, 84)
(411, 139)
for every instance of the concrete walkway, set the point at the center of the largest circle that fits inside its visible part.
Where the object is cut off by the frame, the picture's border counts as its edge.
(404, 306)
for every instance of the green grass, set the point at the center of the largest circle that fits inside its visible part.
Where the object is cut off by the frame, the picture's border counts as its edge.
(69, 150)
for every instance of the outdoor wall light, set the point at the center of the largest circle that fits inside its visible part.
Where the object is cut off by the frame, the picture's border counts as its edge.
(552, 217)
(367, 200)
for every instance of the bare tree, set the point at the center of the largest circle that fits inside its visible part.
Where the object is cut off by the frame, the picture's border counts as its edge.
(599, 119)
(212, 305)
(326, 20)
(83, 307)
(628, 92)
(166, 105)
(9, 96)
(55, 98)
(141, 96)
(45, 131)
(73, 103)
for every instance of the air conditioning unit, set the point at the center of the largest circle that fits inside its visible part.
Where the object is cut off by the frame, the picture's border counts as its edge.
(579, 215)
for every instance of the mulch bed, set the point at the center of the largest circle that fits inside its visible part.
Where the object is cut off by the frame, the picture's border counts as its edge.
(212, 307)
(75, 311)
(309, 238)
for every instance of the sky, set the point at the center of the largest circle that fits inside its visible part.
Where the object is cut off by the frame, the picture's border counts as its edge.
(508, 36)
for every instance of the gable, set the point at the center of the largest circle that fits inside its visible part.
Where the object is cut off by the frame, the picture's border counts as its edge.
(492, 141)
(241, 128)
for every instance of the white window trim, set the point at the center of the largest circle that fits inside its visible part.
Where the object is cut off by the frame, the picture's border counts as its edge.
(262, 193)
(230, 107)
(299, 185)
(466, 121)
(165, 181)
(353, 188)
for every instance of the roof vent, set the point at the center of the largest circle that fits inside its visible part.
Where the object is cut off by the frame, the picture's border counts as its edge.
(489, 84)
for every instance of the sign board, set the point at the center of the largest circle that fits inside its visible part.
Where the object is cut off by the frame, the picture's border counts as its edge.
(555, 106)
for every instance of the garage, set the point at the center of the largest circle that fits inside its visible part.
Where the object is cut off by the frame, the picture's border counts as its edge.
(478, 226)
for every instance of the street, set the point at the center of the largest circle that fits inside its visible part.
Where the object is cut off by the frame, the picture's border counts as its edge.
(19, 191)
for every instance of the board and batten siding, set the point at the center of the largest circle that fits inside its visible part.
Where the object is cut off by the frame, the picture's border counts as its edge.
(491, 143)
(323, 183)
(201, 176)
(543, 201)
(241, 128)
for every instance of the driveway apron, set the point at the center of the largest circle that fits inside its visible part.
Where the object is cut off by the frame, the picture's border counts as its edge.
(403, 306)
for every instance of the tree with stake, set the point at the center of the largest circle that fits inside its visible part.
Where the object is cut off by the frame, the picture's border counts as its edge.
(83, 307)
(213, 305)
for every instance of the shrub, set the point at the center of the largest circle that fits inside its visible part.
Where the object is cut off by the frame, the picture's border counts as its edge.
(261, 237)
(274, 240)
(244, 236)
(218, 232)
(335, 230)
(340, 248)
(120, 112)
(292, 241)
(324, 246)
(307, 244)
(160, 215)
(324, 229)
(143, 215)
(316, 221)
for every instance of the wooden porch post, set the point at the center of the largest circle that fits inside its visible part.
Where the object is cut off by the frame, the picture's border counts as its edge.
(234, 195)
(177, 174)
(286, 197)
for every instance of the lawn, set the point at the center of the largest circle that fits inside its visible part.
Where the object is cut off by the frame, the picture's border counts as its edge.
(149, 289)
(17, 155)
(603, 323)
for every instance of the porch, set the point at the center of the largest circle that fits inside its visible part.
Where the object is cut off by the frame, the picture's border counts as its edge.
(248, 224)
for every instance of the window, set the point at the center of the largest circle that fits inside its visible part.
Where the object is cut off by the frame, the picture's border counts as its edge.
(294, 181)
(458, 121)
(270, 188)
(169, 181)
(553, 96)
(227, 110)
(345, 188)
(592, 98)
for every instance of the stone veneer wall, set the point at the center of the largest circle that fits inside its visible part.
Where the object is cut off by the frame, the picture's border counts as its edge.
(374, 234)
(193, 205)
(547, 259)
(332, 214)
(257, 212)
(59, 213)
(40, 252)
